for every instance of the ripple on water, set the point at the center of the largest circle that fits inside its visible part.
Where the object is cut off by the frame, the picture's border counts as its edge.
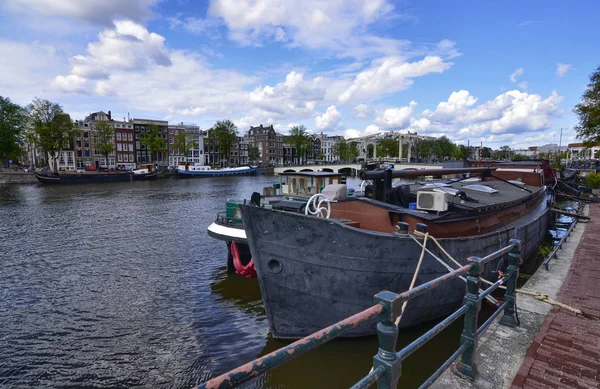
(118, 286)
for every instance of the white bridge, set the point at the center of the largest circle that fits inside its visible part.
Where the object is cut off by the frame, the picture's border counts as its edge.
(350, 169)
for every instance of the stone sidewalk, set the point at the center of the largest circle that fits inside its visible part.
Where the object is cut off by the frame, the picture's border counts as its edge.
(566, 351)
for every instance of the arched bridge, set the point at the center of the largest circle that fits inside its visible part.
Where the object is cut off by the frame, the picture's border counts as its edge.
(351, 169)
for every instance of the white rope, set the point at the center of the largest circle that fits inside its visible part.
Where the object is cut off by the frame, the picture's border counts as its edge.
(414, 279)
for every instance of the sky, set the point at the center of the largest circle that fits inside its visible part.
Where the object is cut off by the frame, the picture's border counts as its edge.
(480, 72)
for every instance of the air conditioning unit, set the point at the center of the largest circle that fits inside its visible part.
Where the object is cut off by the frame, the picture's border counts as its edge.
(431, 201)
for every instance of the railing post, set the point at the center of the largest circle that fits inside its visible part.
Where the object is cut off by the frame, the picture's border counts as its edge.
(387, 333)
(466, 367)
(509, 318)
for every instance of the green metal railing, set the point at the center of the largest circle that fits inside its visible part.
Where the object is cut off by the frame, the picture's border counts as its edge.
(388, 305)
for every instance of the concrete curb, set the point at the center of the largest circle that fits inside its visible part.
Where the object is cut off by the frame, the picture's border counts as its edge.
(502, 351)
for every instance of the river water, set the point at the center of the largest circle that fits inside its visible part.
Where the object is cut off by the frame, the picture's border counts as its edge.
(118, 286)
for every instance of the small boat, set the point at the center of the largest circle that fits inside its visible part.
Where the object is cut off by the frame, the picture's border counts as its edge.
(317, 269)
(292, 192)
(189, 170)
(83, 177)
(148, 172)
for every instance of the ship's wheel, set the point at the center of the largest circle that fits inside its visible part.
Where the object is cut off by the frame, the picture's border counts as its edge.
(318, 205)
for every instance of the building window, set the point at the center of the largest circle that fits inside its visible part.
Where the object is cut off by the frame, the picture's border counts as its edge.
(130, 137)
(131, 147)
(118, 136)
(119, 148)
(120, 158)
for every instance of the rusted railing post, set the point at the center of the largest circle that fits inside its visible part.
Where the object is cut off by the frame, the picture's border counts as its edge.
(509, 318)
(466, 367)
(387, 333)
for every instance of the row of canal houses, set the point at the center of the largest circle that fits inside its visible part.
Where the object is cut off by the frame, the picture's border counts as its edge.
(130, 153)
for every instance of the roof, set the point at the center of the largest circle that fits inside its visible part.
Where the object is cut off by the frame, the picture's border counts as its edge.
(312, 174)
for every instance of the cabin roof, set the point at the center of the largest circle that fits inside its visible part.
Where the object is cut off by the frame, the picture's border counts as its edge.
(312, 174)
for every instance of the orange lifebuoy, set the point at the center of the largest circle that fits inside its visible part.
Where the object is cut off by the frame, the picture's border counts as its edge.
(247, 271)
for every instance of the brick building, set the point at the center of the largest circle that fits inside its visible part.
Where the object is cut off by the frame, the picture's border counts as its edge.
(269, 143)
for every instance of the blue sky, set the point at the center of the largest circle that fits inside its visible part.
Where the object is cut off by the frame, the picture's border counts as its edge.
(494, 72)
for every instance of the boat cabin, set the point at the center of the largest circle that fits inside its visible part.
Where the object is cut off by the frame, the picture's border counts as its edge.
(306, 184)
(187, 166)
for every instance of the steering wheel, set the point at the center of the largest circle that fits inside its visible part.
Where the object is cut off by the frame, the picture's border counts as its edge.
(318, 204)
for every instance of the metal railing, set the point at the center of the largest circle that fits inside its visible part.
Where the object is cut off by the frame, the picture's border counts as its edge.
(388, 306)
(563, 239)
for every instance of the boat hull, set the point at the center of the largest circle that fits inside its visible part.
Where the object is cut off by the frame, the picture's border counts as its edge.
(83, 178)
(146, 176)
(215, 173)
(315, 272)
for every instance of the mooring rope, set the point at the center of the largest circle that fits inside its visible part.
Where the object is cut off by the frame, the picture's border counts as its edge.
(538, 295)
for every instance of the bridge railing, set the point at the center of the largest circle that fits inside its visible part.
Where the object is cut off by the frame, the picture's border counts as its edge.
(387, 362)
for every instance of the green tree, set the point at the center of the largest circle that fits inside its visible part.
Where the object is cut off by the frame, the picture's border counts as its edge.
(299, 138)
(461, 152)
(184, 143)
(506, 152)
(588, 111)
(53, 128)
(105, 144)
(388, 148)
(253, 154)
(225, 133)
(12, 123)
(444, 148)
(519, 157)
(370, 151)
(486, 152)
(154, 142)
(344, 151)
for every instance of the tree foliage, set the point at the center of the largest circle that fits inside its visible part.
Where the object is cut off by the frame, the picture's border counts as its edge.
(253, 154)
(444, 148)
(388, 148)
(52, 127)
(184, 142)
(12, 123)
(345, 151)
(462, 152)
(300, 140)
(105, 144)
(225, 133)
(154, 142)
(588, 111)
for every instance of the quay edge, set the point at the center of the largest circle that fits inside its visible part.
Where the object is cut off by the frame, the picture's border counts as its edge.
(501, 350)
(17, 178)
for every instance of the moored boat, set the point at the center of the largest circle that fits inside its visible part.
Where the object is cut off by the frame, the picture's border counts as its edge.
(83, 177)
(291, 193)
(314, 271)
(145, 173)
(191, 170)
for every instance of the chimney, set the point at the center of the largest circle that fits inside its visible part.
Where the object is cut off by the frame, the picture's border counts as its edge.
(109, 115)
(261, 126)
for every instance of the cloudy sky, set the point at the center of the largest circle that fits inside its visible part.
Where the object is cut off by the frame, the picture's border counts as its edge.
(505, 72)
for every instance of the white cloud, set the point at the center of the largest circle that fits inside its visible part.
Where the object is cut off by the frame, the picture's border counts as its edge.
(100, 12)
(396, 118)
(362, 111)
(519, 72)
(329, 120)
(27, 69)
(339, 26)
(134, 66)
(523, 85)
(293, 98)
(513, 112)
(562, 69)
(391, 74)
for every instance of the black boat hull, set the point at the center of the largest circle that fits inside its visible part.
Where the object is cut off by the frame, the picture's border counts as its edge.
(83, 178)
(315, 272)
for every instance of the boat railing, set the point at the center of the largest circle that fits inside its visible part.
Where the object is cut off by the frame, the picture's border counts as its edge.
(387, 362)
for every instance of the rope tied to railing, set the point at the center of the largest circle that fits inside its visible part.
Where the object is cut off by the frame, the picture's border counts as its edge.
(538, 295)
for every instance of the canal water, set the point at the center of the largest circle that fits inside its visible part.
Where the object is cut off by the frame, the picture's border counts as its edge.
(117, 285)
